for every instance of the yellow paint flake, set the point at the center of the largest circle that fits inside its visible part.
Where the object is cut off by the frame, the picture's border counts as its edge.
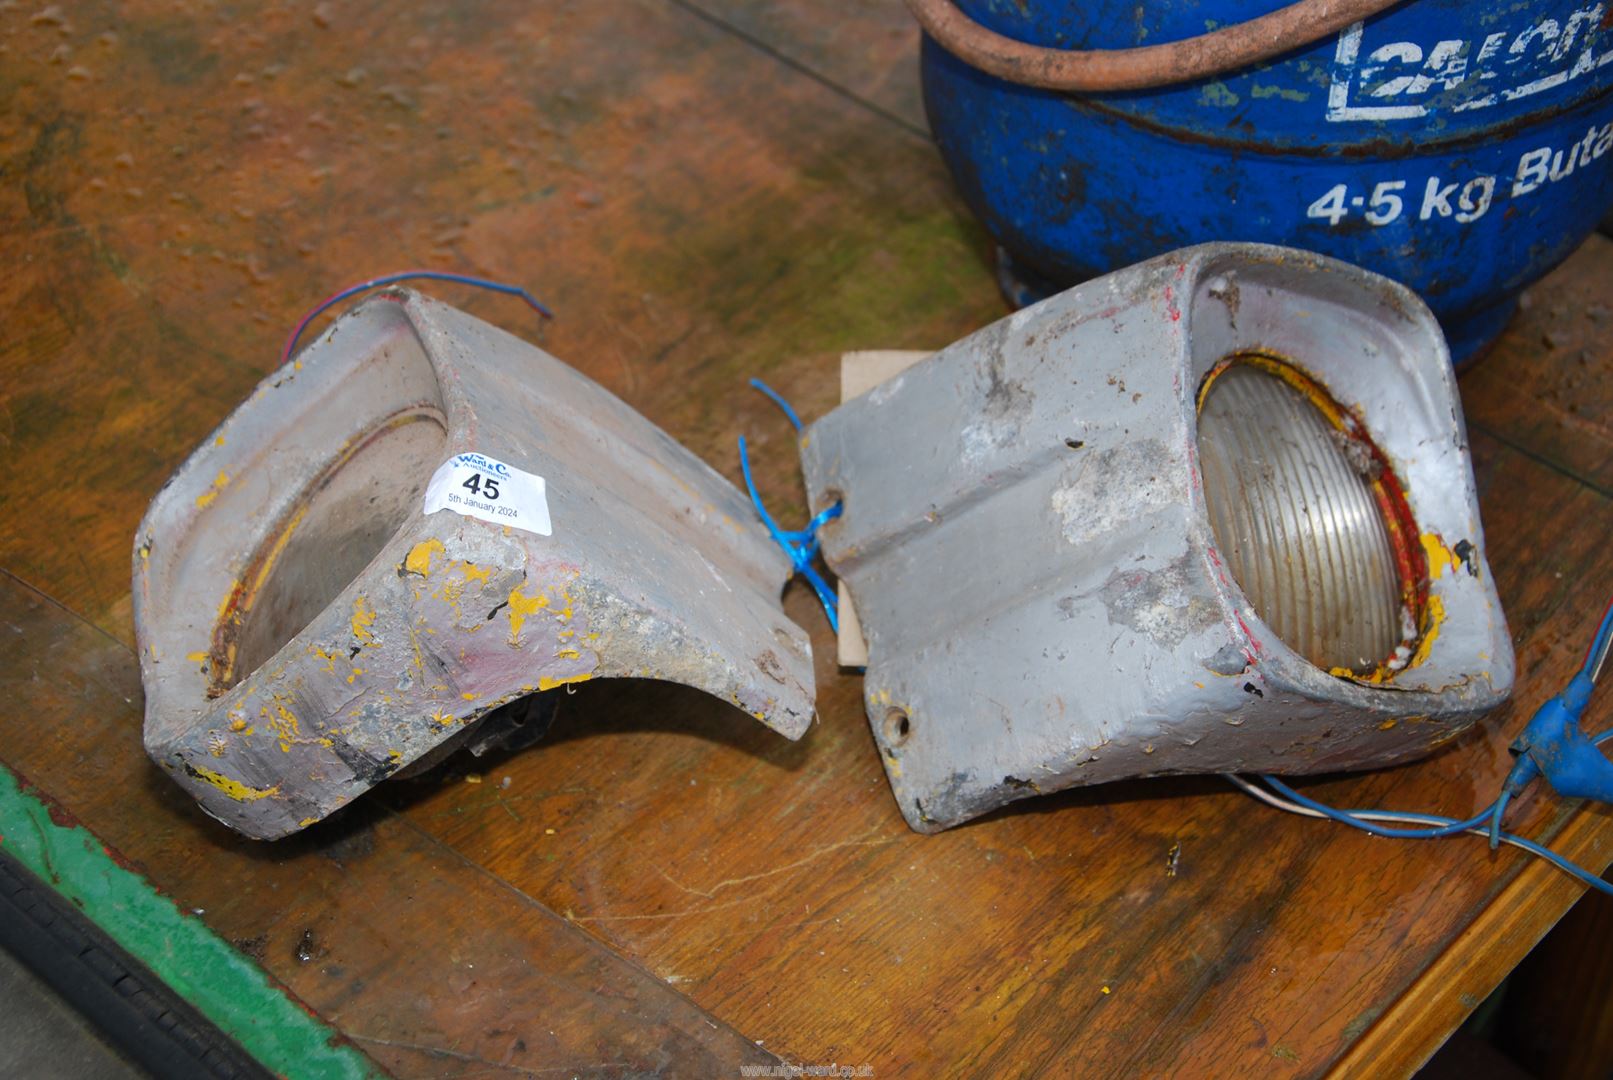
(1440, 557)
(329, 658)
(1387, 725)
(418, 561)
(307, 821)
(196, 657)
(473, 778)
(1105, 989)
(568, 654)
(220, 482)
(219, 441)
(473, 572)
(451, 591)
(468, 696)
(356, 673)
(547, 683)
(231, 787)
(1433, 618)
(363, 619)
(224, 604)
(284, 724)
(520, 607)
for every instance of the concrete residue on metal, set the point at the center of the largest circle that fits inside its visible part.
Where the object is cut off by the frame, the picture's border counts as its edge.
(1055, 609)
(307, 631)
(1160, 604)
(1083, 500)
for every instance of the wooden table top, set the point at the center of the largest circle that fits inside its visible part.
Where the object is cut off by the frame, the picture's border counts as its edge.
(704, 190)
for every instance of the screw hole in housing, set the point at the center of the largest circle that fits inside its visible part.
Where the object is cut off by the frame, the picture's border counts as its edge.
(829, 497)
(898, 726)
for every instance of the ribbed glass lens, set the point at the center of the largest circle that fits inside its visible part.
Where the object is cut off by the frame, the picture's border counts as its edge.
(1291, 502)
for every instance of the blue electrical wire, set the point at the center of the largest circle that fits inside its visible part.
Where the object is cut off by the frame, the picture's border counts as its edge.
(1591, 669)
(1499, 808)
(1448, 826)
(801, 545)
(1486, 822)
(409, 275)
(1561, 863)
(1444, 827)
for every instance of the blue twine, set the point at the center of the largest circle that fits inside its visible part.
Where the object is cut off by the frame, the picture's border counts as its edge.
(801, 545)
(778, 399)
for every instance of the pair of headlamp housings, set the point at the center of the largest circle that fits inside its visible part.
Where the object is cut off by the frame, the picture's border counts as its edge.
(1211, 513)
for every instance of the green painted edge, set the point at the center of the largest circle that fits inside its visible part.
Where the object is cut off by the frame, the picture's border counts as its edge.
(234, 993)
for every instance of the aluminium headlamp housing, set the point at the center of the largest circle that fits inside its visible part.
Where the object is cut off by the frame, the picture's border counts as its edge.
(1211, 513)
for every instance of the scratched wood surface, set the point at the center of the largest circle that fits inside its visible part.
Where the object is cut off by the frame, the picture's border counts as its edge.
(704, 192)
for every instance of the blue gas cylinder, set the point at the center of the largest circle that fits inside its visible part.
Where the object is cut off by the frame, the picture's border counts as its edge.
(1459, 147)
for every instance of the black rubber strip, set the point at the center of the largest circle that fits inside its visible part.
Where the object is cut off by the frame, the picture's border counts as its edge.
(133, 1009)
